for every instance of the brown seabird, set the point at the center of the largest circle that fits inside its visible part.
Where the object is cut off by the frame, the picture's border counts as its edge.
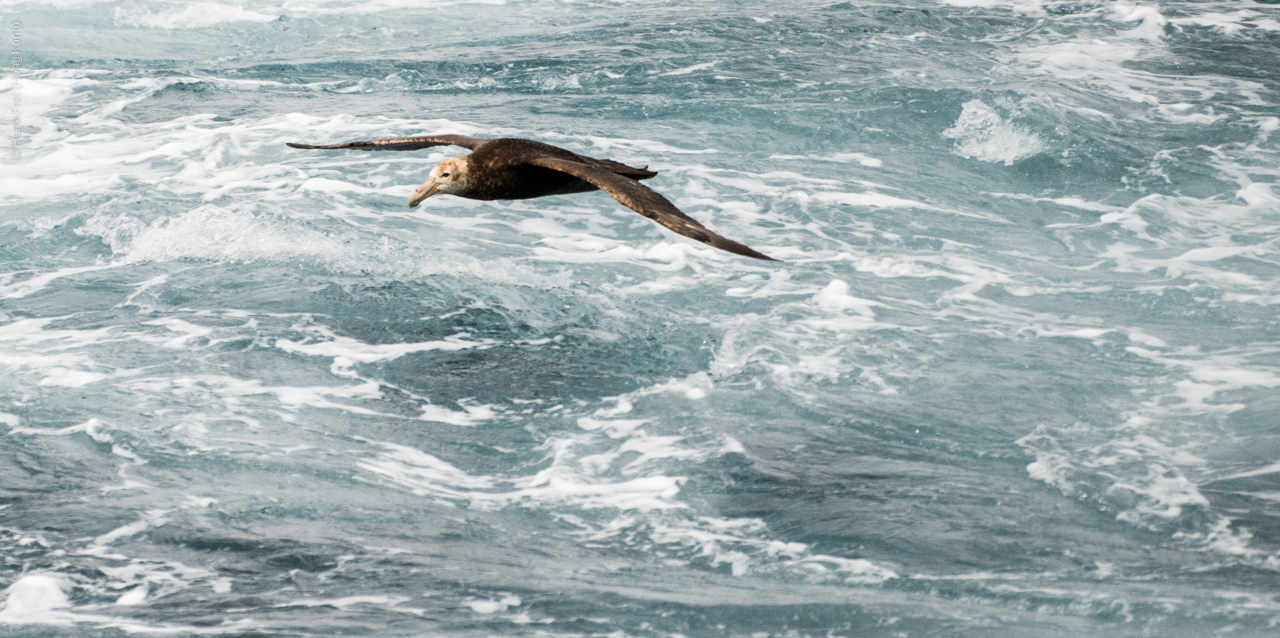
(513, 168)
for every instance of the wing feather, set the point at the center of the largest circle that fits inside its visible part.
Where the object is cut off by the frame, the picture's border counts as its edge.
(645, 201)
(402, 143)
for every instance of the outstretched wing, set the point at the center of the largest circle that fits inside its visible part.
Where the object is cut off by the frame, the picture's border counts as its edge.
(641, 199)
(403, 143)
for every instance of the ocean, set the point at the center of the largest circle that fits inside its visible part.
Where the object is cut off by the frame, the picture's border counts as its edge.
(1016, 373)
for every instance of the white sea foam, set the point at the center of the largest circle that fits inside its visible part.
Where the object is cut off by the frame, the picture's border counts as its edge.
(1273, 468)
(1030, 7)
(1151, 22)
(854, 570)
(193, 15)
(836, 297)
(861, 158)
(607, 144)
(231, 391)
(493, 606)
(1213, 373)
(54, 355)
(1146, 474)
(135, 596)
(339, 8)
(1219, 227)
(881, 200)
(1068, 457)
(1165, 493)
(40, 93)
(1069, 202)
(1229, 23)
(692, 68)
(92, 427)
(388, 602)
(27, 344)
(811, 340)
(36, 283)
(188, 331)
(588, 472)
(468, 415)
(983, 134)
(235, 235)
(35, 598)
(425, 474)
(41, 598)
(1106, 65)
(61, 4)
(347, 352)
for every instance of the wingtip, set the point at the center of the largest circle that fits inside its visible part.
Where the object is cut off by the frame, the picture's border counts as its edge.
(734, 247)
(297, 145)
(741, 249)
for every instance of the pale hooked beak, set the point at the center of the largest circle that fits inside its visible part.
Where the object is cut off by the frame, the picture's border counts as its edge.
(426, 190)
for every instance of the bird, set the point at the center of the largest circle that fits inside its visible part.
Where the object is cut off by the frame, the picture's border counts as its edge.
(516, 168)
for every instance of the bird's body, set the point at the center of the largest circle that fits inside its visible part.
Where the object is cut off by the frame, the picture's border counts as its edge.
(501, 171)
(513, 168)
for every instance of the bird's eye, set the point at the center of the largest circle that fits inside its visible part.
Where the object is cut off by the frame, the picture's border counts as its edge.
(444, 174)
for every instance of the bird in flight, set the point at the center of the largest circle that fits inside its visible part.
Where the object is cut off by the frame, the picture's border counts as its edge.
(513, 168)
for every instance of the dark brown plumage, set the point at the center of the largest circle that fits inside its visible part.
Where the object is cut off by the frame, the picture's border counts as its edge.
(513, 168)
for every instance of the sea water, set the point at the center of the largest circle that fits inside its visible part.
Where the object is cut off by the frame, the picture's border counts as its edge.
(1016, 374)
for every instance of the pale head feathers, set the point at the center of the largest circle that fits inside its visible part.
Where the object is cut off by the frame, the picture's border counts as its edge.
(451, 177)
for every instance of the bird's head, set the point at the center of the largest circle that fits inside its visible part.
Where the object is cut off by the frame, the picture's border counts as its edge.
(449, 177)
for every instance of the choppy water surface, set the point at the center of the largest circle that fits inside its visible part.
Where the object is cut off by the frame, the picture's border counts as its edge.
(1018, 375)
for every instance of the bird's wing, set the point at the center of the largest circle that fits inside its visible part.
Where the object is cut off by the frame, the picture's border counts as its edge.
(641, 199)
(403, 143)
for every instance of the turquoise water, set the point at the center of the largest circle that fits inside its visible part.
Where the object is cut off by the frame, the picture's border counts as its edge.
(1018, 373)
